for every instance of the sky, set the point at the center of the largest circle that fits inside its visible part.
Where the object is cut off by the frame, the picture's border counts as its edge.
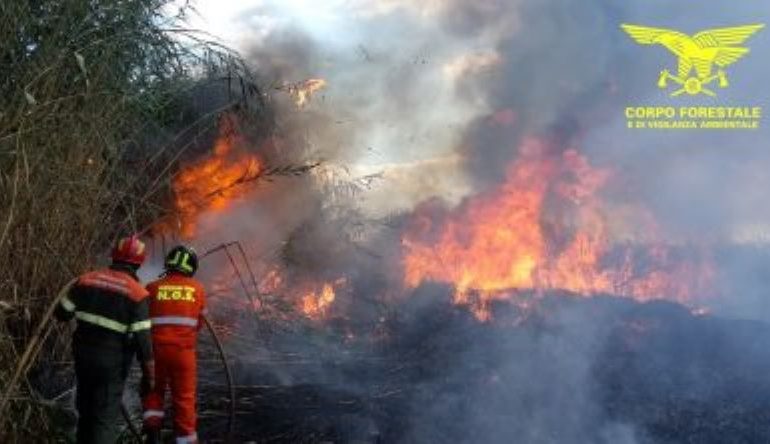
(441, 95)
(410, 84)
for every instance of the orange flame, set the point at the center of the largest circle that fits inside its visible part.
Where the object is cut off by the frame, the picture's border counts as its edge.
(303, 91)
(316, 304)
(543, 228)
(212, 183)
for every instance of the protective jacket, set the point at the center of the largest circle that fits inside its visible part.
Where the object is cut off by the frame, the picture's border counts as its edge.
(177, 303)
(113, 325)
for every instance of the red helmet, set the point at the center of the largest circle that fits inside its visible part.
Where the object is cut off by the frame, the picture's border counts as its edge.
(129, 250)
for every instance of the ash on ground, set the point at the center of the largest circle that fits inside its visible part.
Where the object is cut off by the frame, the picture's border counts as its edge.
(570, 370)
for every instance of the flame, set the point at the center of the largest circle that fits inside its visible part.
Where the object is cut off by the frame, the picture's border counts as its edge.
(312, 297)
(303, 91)
(543, 228)
(211, 183)
(271, 281)
(316, 304)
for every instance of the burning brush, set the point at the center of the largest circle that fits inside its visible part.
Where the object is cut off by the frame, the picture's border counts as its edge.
(544, 228)
(303, 91)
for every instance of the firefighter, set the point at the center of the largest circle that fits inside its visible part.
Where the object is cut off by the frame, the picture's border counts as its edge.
(177, 303)
(112, 312)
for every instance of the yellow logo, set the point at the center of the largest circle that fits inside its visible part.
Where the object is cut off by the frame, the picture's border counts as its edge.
(718, 47)
(176, 293)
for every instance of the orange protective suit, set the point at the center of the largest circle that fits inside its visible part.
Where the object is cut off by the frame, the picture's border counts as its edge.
(176, 305)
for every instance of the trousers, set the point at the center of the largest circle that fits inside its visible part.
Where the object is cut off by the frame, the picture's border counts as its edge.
(101, 376)
(175, 368)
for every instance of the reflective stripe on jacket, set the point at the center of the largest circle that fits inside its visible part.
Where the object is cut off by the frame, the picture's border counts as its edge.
(176, 304)
(112, 311)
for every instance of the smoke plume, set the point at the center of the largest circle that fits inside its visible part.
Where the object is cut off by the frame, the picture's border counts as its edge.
(432, 102)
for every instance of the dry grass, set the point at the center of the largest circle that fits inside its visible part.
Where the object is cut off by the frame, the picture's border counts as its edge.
(94, 115)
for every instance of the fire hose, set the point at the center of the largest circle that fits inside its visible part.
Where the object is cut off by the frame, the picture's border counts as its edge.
(43, 330)
(230, 387)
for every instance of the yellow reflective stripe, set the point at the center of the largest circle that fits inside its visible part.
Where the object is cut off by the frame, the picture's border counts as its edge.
(101, 321)
(67, 304)
(141, 325)
(174, 260)
(185, 266)
(182, 257)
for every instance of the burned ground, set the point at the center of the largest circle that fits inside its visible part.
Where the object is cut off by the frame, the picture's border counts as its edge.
(640, 373)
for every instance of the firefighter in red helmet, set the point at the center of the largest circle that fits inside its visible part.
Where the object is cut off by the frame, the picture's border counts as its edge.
(177, 303)
(113, 324)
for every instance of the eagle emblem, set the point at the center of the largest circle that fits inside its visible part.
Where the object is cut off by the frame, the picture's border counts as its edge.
(720, 47)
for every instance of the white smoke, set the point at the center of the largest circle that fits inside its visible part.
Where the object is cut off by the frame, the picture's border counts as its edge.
(411, 89)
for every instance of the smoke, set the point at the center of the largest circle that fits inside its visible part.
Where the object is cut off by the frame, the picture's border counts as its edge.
(432, 101)
(413, 83)
(410, 82)
(496, 383)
